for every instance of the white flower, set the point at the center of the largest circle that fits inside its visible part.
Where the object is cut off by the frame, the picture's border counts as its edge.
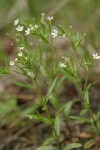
(27, 31)
(19, 28)
(62, 65)
(20, 54)
(64, 35)
(42, 14)
(26, 58)
(16, 22)
(49, 18)
(95, 56)
(30, 74)
(67, 59)
(12, 63)
(36, 26)
(21, 48)
(16, 59)
(54, 33)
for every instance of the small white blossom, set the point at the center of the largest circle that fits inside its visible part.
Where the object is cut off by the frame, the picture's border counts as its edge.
(16, 59)
(20, 54)
(19, 28)
(27, 31)
(49, 18)
(21, 48)
(95, 56)
(54, 33)
(67, 59)
(36, 26)
(30, 74)
(26, 58)
(12, 63)
(16, 22)
(62, 65)
(64, 35)
(42, 14)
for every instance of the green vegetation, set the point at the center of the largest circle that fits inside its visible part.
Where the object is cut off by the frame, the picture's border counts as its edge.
(43, 67)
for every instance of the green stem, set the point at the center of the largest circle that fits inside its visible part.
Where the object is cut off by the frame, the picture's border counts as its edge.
(38, 89)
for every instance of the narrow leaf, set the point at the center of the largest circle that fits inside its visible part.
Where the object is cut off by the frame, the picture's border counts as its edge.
(47, 148)
(72, 146)
(52, 87)
(89, 143)
(24, 85)
(49, 141)
(57, 125)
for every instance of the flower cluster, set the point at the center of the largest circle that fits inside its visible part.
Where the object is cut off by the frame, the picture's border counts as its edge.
(20, 28)
(12, 63)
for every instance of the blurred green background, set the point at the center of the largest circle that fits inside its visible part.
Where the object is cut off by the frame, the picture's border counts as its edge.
(83, 15)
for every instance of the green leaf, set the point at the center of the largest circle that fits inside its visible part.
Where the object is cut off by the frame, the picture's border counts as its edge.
(7, 107)
(67, 108)
(49, 141)
(83, 112)
(47, 148)
(4, 71)
(29, 110)
(72, 146)
(98, 125)
(33, 55)
(78, 43)
(43, 38)
(39, 117)
(73, 46)
(52, 87)
(57, 125)
(80, 119)
(59, 82)
(43, 70)
(69, 75)
(98, 115)
(54, 101)
(86, 94)
(23, 85)
(89, 143)
(88, 58)
(60, 29)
